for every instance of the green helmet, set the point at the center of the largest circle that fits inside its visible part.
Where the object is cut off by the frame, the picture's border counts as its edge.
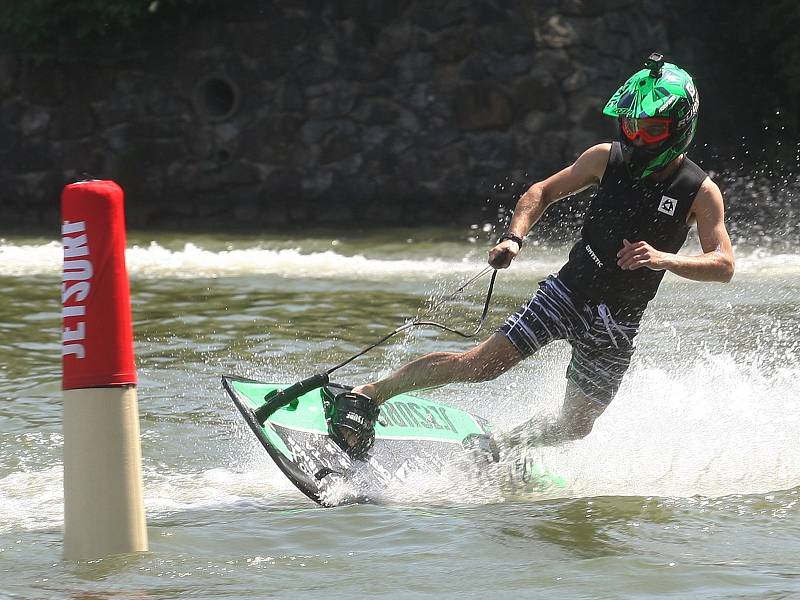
(663, 91)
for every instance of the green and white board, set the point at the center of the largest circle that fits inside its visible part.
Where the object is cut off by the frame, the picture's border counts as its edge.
(413, 434)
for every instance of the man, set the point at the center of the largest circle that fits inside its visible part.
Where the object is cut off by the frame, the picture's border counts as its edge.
(648, 195)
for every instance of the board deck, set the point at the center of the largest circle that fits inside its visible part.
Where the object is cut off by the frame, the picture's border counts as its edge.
(412, 434)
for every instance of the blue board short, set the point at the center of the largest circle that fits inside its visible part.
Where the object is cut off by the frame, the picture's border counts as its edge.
(602, 344)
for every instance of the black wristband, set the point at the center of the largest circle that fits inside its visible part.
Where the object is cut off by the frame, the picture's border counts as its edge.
(511, 236)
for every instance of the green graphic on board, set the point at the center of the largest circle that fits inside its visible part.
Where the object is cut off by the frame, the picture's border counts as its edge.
(412, 434)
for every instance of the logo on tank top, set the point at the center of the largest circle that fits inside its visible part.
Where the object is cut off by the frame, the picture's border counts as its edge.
(667, 205)
(593, 256)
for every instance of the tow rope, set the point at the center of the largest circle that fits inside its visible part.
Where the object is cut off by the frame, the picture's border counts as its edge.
(280, 398)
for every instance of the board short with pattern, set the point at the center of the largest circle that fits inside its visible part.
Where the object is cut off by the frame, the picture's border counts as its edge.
(602, 345)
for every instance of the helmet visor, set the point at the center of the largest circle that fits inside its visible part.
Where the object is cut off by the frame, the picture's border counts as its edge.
(650, 131)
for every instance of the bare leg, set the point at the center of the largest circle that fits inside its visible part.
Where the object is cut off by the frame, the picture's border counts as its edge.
(489, 359)
(575, 421)
(578, 413)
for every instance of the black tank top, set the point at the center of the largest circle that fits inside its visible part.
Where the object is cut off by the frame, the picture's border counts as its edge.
(654, 212)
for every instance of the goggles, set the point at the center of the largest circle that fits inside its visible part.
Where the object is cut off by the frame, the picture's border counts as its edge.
(651, 131)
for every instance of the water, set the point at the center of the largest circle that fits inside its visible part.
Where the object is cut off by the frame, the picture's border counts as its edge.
(688, 486)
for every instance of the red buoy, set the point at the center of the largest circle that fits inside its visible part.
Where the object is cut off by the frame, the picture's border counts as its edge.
(97, 340)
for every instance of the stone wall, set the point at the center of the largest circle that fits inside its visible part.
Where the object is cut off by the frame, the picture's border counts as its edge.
(295, 113)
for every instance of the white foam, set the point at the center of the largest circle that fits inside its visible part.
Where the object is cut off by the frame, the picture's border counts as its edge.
(31, 259)
(764, 262)
(34, 500)
(156, 261)
(213, 488)
(153, 261)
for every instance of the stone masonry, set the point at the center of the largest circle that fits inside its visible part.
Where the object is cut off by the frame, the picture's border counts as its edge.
(290, 113)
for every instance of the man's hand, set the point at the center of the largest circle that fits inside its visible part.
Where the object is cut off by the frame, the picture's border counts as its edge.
(500, 256)
(635, 255)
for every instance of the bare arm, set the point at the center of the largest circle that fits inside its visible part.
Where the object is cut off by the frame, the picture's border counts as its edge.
(587, 170)
(716, 263)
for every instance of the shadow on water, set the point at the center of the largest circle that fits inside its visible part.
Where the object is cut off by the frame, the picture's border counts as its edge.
(588, 527)
(619, 525)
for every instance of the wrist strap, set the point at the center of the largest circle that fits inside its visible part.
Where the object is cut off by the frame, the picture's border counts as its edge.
(511, 236)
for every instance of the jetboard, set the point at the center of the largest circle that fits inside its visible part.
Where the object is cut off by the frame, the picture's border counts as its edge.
(412, 435)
